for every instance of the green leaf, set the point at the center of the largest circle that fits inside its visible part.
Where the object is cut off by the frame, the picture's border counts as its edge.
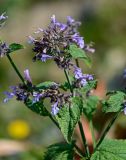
(77, 52)
(69, 116)
(15, 46)
(59, 151)
(37, 107)
(45, 85)
(90, 85)
(87, 88)
(111, 150)
(65, 86)
(114, 102)
(90, 105)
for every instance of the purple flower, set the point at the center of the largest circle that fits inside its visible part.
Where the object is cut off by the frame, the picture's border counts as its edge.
(31, 40)
(56, 24)
(88, 77)
(78, 72)
(88, 48)
(27, 76)
(80, 77)
(55, 108)
(9, 95)
(19, 92)
(79, 40)
(70, 20)
(3, 17)
(4, 48)
(45, 57)
(37, 97)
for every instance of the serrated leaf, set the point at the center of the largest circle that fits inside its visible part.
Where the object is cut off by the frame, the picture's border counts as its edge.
(90, 85)
(37, 107)
(77, 52)
(114, 102)
(69, 116)
(59, 151)
(45, 85)
(90, 105)
(15, 46)
(111, 150)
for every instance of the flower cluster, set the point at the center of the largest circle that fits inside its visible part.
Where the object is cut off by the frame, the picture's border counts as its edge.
(4, 49)
(55, 40)
(81, 79)
(23, 92)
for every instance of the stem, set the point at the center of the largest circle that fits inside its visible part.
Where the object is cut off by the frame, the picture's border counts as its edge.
(107, 129)
(84, 139)
(79, 151)
(15, 68)
(92, 133)
(81, 127)
(77, 62)
(55, 122)
(68, 79)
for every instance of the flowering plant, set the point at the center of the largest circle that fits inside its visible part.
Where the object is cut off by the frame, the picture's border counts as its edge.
(62, 43)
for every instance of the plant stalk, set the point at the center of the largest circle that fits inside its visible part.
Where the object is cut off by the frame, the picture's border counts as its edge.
(55, 122)
(84, 140)
(68, 80)
(15, 68)
(107, 129)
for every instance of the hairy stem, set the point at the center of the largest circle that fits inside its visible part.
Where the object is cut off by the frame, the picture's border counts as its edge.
(15, 68)
(107, 129)
(68, 80)
(84, 139)
(54, 121)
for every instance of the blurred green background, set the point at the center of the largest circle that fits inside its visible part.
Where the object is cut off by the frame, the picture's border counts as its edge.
(23, 134)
